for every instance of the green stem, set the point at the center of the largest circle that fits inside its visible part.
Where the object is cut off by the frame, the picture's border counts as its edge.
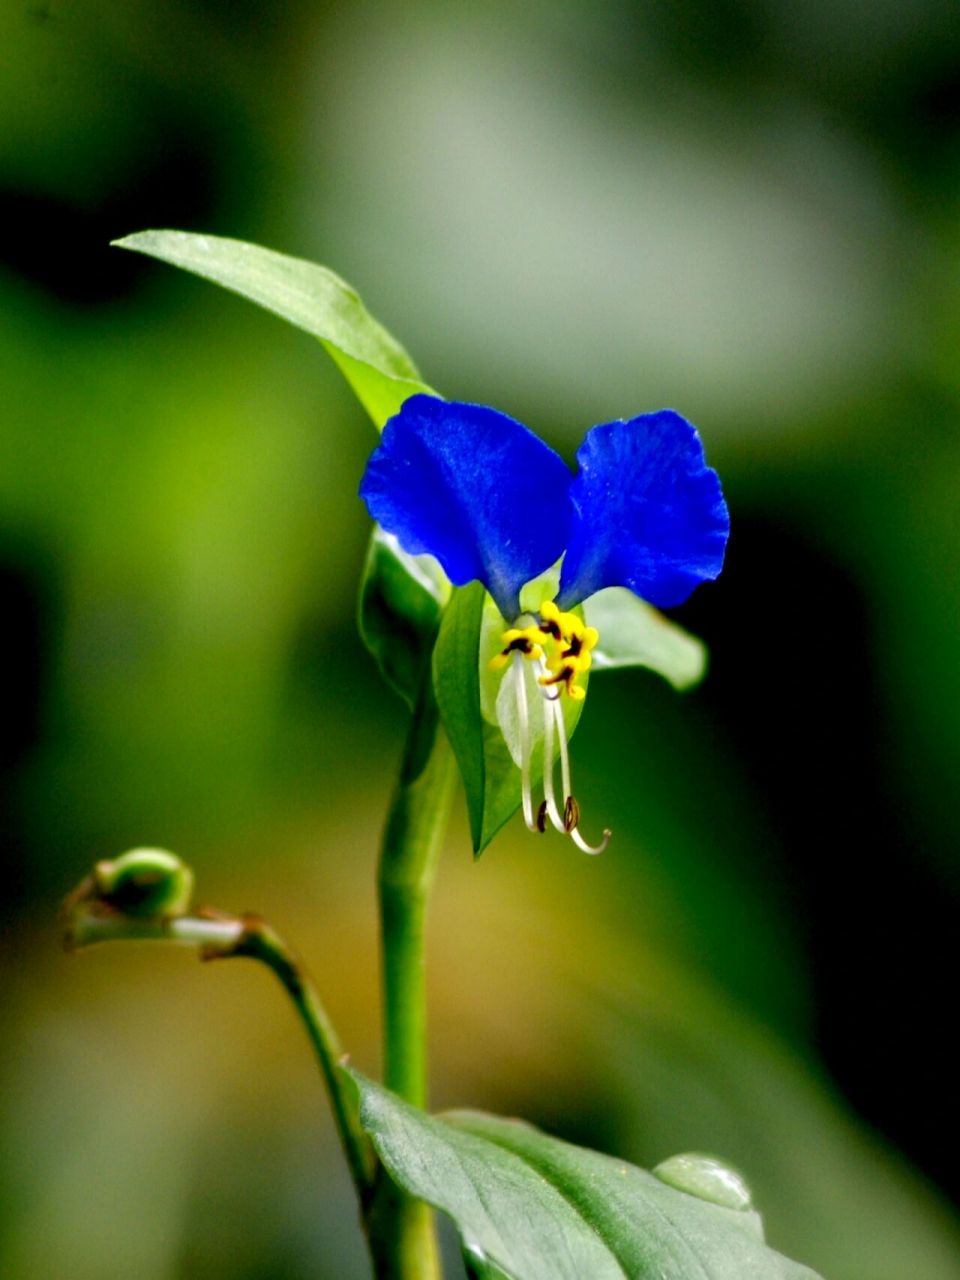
(400, 1228)
(218, 936)
(260, 942)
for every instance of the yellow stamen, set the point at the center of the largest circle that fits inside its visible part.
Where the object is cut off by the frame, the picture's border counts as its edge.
(562, 641)
(566, 676)
(568, 656)
(523, 640)
(571, 626)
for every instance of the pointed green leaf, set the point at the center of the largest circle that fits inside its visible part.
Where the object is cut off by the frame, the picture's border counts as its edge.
(634, 634)
(530, 1207)
(309, 296)
(398, 613)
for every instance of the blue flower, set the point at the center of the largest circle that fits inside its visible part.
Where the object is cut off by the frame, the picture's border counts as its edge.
(493, 503)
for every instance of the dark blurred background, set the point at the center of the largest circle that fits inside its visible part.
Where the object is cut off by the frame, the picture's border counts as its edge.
(748, 211)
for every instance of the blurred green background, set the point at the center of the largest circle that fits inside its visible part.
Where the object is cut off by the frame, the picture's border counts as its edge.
(746, 210)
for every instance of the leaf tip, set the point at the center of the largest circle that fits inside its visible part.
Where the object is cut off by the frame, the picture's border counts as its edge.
(693, 678)
(131, 241)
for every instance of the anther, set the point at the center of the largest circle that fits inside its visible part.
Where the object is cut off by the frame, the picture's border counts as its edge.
(542, 817)
(523, 642)
(571, 814)
(566, 676)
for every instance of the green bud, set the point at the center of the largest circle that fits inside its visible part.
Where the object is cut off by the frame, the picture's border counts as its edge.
(145, 883)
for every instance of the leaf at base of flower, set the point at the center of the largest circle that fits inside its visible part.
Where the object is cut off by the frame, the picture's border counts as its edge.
(401, 600)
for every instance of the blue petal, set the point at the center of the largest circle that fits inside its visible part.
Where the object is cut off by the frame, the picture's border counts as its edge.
(475, 489)
(648, 513)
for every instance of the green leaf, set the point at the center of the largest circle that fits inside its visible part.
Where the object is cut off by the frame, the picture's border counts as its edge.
(634, 634)
(401, 600)
(534, 1208)
(479, 1267)
(398, 613)
(309, 296)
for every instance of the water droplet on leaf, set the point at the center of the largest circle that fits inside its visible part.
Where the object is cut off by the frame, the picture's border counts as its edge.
(707, 1178)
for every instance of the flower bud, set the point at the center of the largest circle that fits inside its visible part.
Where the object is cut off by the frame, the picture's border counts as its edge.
(145, 883)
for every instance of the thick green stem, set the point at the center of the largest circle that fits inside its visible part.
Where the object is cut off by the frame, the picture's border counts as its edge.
(400, 1228)
(411, 845)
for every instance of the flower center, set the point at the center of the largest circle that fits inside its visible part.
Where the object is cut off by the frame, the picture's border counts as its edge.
(571, 643)
(560, 645)
(560, 641)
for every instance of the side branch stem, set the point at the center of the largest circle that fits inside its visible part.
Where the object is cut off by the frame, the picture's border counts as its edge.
(218, 936)
(261, 942)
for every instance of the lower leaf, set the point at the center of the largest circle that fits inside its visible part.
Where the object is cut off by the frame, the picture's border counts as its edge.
(530, 1207)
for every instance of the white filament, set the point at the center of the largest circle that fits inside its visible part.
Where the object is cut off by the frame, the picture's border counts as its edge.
(581, 844)
(553, 724)
(550, 700)
(564, 753)
(523, 716)
(555, 708)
